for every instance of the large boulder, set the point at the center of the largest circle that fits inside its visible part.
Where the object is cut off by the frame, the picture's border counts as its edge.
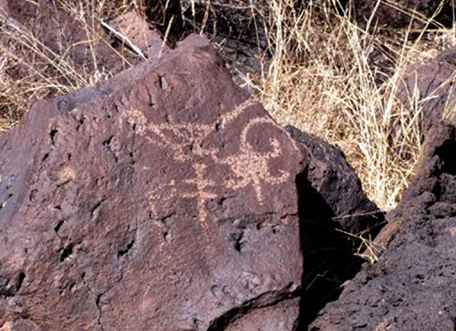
(412, 286)
(164, 199)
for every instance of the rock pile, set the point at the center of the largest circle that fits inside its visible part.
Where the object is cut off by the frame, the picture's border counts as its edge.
(167, 199)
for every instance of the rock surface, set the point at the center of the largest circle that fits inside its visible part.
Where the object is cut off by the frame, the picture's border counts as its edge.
(402, 13)
(412, 287)
(431, 84)
(278, 317)
(334, 211)
(164, 199)
(343, 198)
(133, 30)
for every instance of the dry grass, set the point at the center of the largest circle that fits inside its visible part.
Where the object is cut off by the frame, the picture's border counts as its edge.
(30, 69)
(328, 86)
(320, 77)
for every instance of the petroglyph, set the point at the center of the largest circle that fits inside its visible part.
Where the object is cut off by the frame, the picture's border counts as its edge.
(202, 195)
(136, 119)
(161, 194)
(251, 167)
(65, 176)
(248, 166)
(190, 136)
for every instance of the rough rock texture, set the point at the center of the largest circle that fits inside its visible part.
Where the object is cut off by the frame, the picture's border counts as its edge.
(412, 287)
(278, 317)
(162, 200)
(432, 85)
(335, 209)
(398, 13)
(334, 179)
(136, 33)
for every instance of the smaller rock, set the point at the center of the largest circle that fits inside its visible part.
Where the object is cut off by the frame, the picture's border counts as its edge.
(135, 29)
(338, 185)
(333, 211)
(431, 85)
(412, 286)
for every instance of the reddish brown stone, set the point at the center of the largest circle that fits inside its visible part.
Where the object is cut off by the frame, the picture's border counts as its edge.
(334, 211)
(278, 317)
(412, 285)
(162, 200)
(135, 29)
(431, 86)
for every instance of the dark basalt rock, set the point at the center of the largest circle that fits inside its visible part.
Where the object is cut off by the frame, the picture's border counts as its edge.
(403, 13)
(432, 85)
(412, 286)
(329, 174)
(335, 210)
(164, 199)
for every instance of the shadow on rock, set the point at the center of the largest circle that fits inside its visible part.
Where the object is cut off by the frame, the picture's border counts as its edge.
(412, 286)
(334, 214)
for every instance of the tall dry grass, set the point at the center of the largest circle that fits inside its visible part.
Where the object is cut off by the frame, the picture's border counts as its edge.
(322, 79)
(30, 69)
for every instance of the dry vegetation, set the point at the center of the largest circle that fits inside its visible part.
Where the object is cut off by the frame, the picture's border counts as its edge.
(322, 75)
(322, 78)
(31, 70)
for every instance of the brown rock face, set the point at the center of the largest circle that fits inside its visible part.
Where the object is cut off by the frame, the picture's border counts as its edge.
(277, 317)
(412, 287)
(162, 200)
